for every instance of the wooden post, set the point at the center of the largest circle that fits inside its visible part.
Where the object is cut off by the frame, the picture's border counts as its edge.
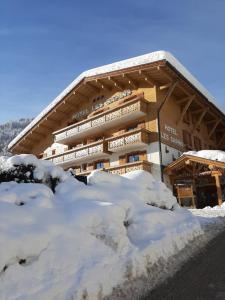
(193, 194)
(218, 187)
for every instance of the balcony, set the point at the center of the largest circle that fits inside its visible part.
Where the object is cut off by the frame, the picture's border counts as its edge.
(126, 112)
(129, 140)
(85, 153)
(125, 168)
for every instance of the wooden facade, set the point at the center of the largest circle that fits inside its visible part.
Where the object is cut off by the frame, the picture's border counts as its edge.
(146, 115)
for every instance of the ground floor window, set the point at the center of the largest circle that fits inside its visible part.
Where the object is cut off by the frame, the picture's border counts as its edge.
(133, 158)
(84, 167)
(100, 165)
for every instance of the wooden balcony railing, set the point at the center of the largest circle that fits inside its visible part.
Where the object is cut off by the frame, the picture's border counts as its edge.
(125, 168)
(129, 139)
(84, 153)
(128, 111)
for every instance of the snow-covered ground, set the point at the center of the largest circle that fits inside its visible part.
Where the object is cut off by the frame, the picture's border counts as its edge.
(212, 219)
(89, 242)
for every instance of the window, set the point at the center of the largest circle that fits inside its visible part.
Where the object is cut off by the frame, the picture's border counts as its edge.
(133, 158)
(187, 139)
(132, 128)
(84, 167)
(197, 143)
(100, 165)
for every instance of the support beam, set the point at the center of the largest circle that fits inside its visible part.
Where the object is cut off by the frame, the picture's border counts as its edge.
(92, 87)
(60, 112)
(200, 118)
(72, 107)
(185, 109)
(131, 82)
(183, 100)
(116, 83)
(103, 85)
(218, 188)
(46, 127)
(41, 135)
(165, 86)
(221, 141)
(197, 111)
(162, 70)
(210, 121)
(80, 95)
(23, 149)
(214, 128)
(147, 78)
(170, 91)
(52, 120)
(31, 139)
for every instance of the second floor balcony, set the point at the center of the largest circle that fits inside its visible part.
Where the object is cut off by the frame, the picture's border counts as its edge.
(123, 113)
(129, 140)
(85, 153)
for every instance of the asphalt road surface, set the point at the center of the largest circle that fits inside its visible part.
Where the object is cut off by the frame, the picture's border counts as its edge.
(202, 277)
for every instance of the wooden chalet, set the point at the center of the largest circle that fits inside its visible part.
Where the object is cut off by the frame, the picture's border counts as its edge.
(197, 181)
(137, 114)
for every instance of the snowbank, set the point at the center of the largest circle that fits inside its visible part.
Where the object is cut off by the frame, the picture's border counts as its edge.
(83, 241)
(209, 154)
(27, 168)
(43, 168)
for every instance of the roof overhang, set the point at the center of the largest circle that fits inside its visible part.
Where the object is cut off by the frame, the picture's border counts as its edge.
(182, 161)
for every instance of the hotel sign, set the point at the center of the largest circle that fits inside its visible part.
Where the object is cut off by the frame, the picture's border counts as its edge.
(169, 135)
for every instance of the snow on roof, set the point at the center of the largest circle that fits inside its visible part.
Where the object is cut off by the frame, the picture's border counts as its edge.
(216, 155)
(127, 63)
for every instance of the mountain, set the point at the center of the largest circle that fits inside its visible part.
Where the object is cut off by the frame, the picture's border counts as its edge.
(10, 130)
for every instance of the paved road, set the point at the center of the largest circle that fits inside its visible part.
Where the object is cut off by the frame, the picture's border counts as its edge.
(202, 278)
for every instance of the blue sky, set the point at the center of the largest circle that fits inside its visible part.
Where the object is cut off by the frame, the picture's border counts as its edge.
(45, 44)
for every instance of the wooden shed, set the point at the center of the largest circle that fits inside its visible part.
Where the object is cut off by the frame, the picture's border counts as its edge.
(197, 182)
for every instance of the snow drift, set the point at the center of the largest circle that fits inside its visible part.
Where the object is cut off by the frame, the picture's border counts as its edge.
(81, 242)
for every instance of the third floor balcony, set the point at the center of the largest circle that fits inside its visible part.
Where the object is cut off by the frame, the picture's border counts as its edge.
(122, 114)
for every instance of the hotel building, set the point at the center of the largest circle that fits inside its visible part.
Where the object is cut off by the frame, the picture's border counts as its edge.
(138, 114)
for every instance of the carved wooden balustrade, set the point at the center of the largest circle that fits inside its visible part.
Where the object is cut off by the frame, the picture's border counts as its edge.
(84, 153)
(125, 168)
(123, 113)
(131, 139)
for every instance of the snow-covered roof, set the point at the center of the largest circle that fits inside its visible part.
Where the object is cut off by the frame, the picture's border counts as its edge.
(127, 63)
(216, 155)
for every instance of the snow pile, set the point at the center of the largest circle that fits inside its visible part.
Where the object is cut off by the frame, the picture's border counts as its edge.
(83, 241)
(209, 154)
(35, 170)
(158, 194)
(217, 207)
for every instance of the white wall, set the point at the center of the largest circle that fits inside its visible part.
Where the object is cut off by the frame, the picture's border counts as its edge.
(59, 148)
(167, 157)
(154, 158)
(114, 160)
